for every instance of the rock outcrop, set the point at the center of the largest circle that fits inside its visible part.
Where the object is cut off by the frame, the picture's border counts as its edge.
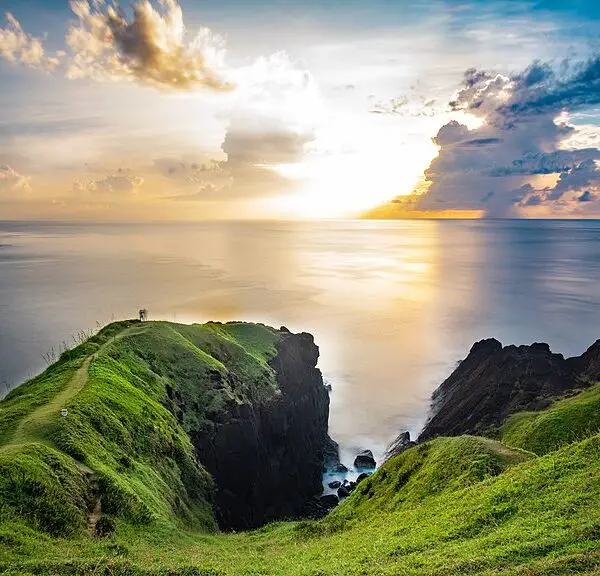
(332, 461)
(365, 460)
(402, 443)
(587, 366)
(495, 381)
(267, 459)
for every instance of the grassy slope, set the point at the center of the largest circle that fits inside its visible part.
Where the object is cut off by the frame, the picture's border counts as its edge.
(119, 442)
(453, 506)
(565, 421)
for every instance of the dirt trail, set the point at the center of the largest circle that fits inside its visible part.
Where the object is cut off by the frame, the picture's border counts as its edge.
(32, 425)
(94, 515)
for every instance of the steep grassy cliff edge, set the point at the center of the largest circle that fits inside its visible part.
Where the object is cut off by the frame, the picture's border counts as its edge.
(172, 431)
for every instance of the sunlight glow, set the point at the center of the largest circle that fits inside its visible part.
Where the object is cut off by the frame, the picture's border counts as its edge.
(354, 164)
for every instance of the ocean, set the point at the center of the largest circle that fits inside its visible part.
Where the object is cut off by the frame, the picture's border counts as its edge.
(393, 305)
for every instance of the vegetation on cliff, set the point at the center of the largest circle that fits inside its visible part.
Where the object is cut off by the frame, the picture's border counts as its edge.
(524, 503)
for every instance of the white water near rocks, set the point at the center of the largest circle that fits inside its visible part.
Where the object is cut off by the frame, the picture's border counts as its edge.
(392, 305)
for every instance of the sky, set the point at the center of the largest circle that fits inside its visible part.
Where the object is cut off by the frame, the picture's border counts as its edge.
(316, 109)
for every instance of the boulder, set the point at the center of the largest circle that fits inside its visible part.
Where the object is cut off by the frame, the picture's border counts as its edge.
(365, 460)
(342, 492)
(329, 501)
(362, 477)
(402, 443)
(335, 484)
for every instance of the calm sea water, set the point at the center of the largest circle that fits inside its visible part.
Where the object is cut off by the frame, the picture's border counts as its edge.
(393, 305)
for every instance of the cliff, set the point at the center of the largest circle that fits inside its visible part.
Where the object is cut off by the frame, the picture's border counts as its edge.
(168, 426)
(267, 456)
(161, 423)
(493, 382)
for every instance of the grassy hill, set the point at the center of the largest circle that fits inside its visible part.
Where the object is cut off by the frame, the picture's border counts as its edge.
(564, 422)
(118, 438)
(526, 505)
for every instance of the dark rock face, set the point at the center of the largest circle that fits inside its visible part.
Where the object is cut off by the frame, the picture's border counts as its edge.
(343, 491)
(402, 443)
(494, 382)
(332, 457)
(267, 460)
(587, 366)
(329, 501)
(365, 460)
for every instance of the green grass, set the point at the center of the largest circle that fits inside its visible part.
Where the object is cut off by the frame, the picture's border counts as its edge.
(529, 505)
(133, 392)
(513, 515)
(565, 421)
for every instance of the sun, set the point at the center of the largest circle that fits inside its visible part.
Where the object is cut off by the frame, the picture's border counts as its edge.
(346, 181)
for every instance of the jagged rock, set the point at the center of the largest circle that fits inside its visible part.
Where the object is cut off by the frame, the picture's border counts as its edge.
(365, 460)
(335, 484)
(267, 459)
(329, 501)
(402, 443)
(331, 459)
(363, 476)
(343, 492)
(587, 366)
(495, 381)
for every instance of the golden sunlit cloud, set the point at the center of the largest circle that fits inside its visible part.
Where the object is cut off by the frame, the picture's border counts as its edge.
(150, 47)
(333, 127)
(21, 48)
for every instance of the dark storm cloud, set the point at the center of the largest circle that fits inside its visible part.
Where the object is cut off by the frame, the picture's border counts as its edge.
(488, 167)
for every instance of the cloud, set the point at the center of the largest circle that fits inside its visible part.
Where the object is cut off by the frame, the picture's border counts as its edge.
(576, 186)
(579, 177)
(21, 48)
(150, 47)
(587, 196)
(271, 123)
(254, 147)
(120, 181)
(207, 191)
(187, 172)
(416, 106)
(10, 179)
(260, 141)
(521, 135)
